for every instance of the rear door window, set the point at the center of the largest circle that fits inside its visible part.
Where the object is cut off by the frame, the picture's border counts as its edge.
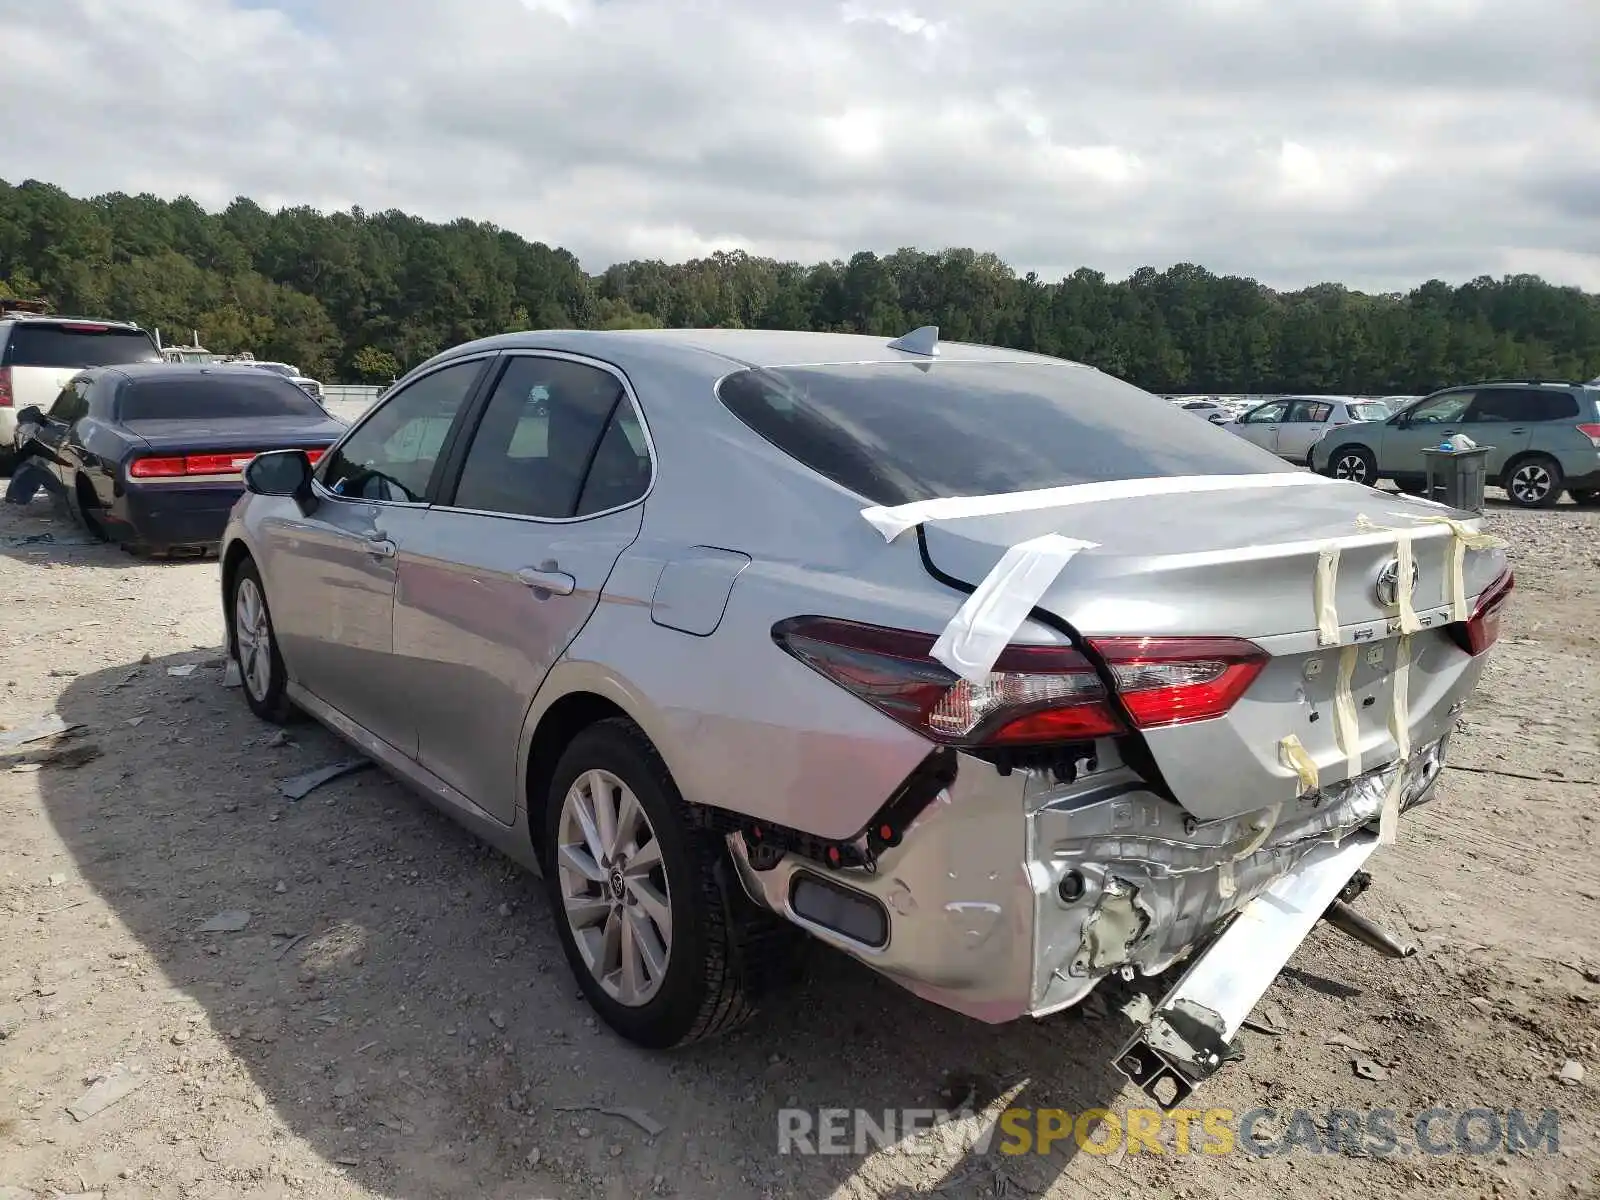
(553, 443)
(1309, 412)
(899, 432)
(43, 344)
(209, 397)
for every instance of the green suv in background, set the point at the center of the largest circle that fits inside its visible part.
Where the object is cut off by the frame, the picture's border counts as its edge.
(1545, 438)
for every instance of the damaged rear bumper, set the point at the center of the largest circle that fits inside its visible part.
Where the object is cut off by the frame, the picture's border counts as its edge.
(1002, 909)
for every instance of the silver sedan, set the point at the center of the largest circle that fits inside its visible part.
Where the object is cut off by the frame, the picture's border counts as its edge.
(986, 668)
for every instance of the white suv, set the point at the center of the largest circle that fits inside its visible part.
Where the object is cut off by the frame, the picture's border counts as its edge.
(38, 355)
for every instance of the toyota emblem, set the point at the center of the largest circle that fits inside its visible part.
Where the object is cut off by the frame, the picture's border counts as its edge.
(1388, 585)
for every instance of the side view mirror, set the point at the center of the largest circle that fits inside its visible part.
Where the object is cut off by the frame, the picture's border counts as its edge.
(30, 415)
(281, 473)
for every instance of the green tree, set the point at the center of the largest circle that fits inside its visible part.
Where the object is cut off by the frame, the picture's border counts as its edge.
(373, 365)
(370, 292)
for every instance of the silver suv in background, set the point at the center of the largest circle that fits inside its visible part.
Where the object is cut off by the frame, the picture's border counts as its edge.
(1290, 425)
(1545, 439)
(40, 355)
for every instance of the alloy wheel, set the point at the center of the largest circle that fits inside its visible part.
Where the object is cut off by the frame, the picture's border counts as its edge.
(1530, 483)
(252, 633)
(1352, 467)
(614, 887)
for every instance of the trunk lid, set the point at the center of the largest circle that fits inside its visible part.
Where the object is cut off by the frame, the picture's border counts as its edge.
(216, 435)
(1243, 564)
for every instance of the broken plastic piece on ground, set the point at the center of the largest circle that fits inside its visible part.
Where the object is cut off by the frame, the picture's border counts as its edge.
(36, 731)
(301, 786)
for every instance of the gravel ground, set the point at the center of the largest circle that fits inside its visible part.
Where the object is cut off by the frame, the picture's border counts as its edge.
(396, 1018)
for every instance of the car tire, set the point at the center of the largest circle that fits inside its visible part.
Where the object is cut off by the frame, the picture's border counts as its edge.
(262, 675)
(8, 462)
(1354, 463)
(1533, 481)
(623, 852)
(1412, 487)
(1588, 497)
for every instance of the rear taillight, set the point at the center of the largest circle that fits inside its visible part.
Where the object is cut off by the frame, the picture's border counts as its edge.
(1592, 432)
(198, 464)
(5, 387)
(1035, 694)
(1482, 629)
(1174, 681)
(156, 468)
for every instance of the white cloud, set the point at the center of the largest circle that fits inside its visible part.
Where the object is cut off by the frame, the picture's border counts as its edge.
(1377, 142)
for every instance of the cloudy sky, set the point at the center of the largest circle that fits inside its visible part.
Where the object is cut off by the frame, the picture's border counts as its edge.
(1375, 142)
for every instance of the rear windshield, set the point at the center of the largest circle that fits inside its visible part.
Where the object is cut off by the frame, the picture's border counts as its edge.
(898, 432)
(198, 398)
(40, 345)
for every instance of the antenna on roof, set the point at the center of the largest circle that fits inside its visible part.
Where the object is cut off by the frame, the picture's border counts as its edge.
(919, 341)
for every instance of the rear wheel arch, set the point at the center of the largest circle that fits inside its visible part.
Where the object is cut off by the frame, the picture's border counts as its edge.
(558, 726)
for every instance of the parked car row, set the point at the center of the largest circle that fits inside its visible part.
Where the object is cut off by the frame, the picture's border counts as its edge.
(1542, 437)
(40, 354)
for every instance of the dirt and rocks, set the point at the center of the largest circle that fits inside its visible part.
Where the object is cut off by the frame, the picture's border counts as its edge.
(383, 1009)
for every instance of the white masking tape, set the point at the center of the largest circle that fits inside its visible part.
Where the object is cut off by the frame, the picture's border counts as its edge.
(892, 521)
(1400, 709)
(1405, 564)
(1400, 730)
(1292, 754)
(1389, 814)
(1346, 727)
(1323, 594)
(1226, 885)
(1462, 540)
(986, 623)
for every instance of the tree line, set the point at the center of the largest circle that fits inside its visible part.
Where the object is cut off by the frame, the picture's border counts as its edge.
(365, 296)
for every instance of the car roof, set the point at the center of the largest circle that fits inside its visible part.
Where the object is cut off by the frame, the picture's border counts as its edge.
(742, 347)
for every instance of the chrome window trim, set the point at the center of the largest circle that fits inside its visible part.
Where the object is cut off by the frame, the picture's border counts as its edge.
(638, 411)
(322, 492)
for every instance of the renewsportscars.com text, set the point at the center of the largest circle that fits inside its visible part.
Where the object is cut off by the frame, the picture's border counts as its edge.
(1263, 1132)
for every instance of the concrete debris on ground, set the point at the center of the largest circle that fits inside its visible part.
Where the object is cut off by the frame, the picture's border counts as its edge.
(229, 920)
(114, 1088)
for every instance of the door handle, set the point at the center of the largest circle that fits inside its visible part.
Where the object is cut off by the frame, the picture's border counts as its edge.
(550, 582)
(380, 547)
(1519, 431)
